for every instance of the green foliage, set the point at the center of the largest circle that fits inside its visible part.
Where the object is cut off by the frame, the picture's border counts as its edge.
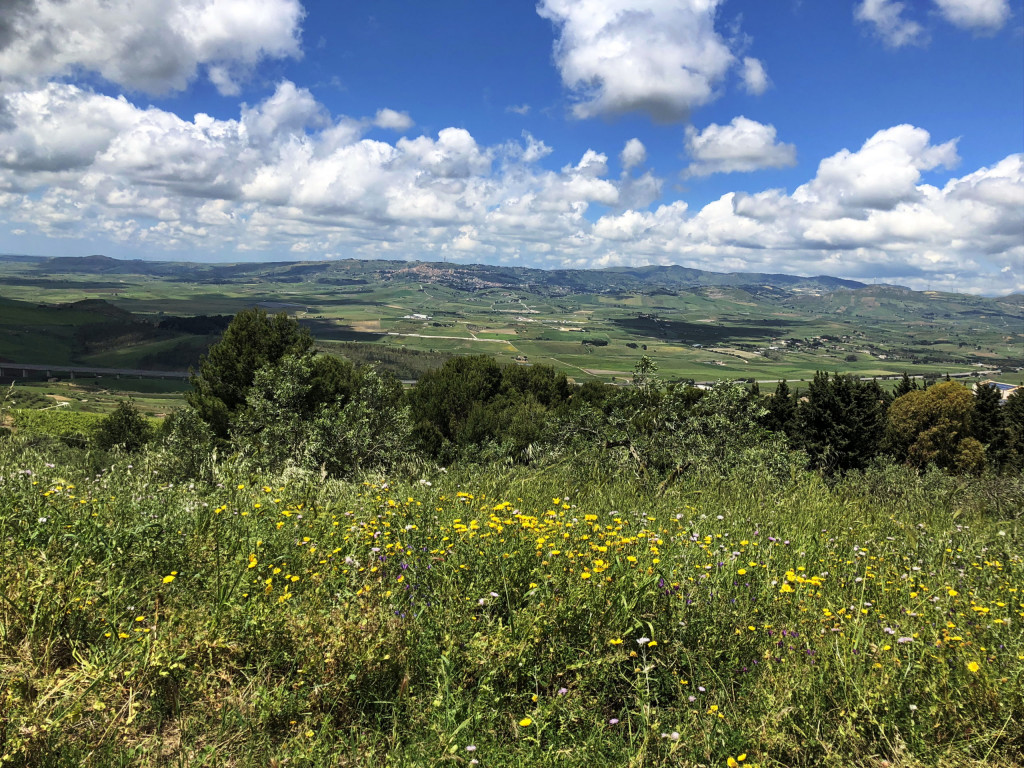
(841, 422)
(443, 404)
(987, 413)
(125, 428)
(471, 402)
(781, 407)
(722, 433)
(188, 445)
(933, 426)
(252, 341)
(661, 432)
(373, 430)
(905, 386)
(1008, 445)
(321, 412)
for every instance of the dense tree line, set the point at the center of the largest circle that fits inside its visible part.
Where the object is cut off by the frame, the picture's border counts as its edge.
(264, 392)
(843, 423)
(201, 325)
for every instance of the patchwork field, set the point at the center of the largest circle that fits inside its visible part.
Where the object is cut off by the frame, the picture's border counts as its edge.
(591, 325)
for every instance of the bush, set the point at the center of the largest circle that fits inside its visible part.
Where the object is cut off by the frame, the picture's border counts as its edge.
(933, 426)
(321, 412)
(188, 445)
(125, 428)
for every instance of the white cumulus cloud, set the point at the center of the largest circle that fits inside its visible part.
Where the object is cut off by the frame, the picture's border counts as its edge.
(883, 173)
(742, 145)
(156, 46)
(755, 79)
(889, 21)
(393, 120)
(979, 15)
(662, 57)
(633, 154)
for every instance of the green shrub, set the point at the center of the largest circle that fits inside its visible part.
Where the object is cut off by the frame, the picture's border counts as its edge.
(125, 428)
(188, 445)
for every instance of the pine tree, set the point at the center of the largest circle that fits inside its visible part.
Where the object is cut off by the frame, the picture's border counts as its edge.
(987, 418)
(906, 386)
(226, 372)
(841, 423)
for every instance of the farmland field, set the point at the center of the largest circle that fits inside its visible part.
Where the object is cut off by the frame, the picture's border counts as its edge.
(583, 325)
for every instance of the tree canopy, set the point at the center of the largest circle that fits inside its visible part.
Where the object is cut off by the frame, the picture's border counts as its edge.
(251, 341)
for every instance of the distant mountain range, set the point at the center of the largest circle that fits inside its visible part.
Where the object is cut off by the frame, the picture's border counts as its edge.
(461, 276)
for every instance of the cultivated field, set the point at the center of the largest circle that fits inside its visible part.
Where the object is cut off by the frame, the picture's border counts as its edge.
(589, 328)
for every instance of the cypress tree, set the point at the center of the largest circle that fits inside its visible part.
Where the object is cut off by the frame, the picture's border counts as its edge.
(781, 416)
(841, 423)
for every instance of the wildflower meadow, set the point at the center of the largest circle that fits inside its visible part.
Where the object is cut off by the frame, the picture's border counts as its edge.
(505, 616)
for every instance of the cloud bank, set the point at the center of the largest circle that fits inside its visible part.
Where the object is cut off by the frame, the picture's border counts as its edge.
(286, 177)
(154, 46)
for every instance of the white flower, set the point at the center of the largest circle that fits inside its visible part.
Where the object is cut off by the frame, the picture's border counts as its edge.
(643, 640)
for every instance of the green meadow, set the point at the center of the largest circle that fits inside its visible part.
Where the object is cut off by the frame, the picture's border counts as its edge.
(505, 617)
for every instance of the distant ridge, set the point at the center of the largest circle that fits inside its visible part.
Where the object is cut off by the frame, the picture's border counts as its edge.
(464, 276)
(702, 277)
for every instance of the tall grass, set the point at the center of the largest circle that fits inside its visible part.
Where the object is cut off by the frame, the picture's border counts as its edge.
(506, 617)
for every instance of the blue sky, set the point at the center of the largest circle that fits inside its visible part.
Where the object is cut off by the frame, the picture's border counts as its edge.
(870, 139)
